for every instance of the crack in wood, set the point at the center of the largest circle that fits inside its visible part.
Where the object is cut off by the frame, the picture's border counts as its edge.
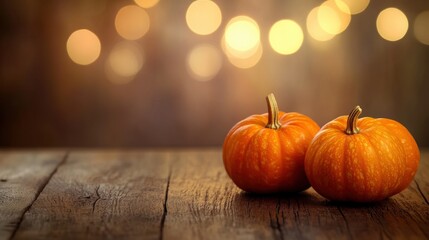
(421, 192)
(383, 231)
(275, 222)
(96, 200)
(165, 211)
(39, 191)
(347, 223)
(277, 219)
(423, 230)
(197, 207)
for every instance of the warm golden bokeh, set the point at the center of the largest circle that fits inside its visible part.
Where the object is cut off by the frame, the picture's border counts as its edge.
(333, 18)
(314, 28)
(392, 24)
(149, 80)
(204, 62)
(286, 37)
(132, 22)
(203, 17)
(354, 6)
(421, 27)
(242, 34)
(124, 62)
(83, 47)
(247, 60)
(146, 3)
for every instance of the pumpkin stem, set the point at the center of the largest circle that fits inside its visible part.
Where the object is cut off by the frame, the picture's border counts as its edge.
(273, 112)
(352, 120)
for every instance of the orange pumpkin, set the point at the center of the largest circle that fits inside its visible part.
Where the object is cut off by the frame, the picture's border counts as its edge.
(361, 160)
(265, 153)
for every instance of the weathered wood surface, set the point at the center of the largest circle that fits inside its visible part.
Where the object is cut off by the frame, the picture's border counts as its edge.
(101, 195)
(182, 194)
(204, 204)
(23, 176)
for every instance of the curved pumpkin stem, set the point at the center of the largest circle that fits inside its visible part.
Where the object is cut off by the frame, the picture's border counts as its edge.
(273, 112)
(352, 120)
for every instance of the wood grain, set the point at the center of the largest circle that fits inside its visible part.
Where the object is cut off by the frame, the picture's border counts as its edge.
(101, 195)
(186, 194)
(204, 204)
(422, 177)
(22, 177)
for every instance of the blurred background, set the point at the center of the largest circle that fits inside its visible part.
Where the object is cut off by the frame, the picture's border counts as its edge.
(166, 73)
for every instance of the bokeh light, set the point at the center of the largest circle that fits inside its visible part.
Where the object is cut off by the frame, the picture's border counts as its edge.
(286, 37)
(333, 18)
(146, 3)
(132, 22)
(247, 60)
(241, 42)
(421, 27)
(354, 6)
(83, 47)
(203, 17)
(314, 28)
(124, 62)
(237, 53)
(242, 35)
(392, 24)
(204, 62)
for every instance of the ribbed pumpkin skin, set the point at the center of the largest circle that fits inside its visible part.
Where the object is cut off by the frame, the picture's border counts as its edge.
(376, 163)
(264, 160)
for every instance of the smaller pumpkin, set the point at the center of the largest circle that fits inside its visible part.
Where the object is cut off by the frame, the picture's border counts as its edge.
(361, 160)
(265, 153)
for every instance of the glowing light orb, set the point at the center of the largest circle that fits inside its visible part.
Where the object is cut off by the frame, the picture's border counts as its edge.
(204, 62)
(242, 34)
(83, 47)
(333, 18)
(392, 24)
(132, 22)
(125, 60)
(286, 37)
(421, 27)
(244, 61)
(314, 28)
(203, 17)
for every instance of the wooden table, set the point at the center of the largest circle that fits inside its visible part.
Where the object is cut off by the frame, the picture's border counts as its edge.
(181, 194)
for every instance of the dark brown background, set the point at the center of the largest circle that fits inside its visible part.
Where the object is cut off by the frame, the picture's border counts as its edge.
(48, 101)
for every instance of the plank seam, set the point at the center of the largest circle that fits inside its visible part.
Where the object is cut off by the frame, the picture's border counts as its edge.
(421, 192)
(39, 191)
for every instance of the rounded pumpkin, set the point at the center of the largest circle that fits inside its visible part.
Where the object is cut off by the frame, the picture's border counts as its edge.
(265, 153)
(361, 160)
